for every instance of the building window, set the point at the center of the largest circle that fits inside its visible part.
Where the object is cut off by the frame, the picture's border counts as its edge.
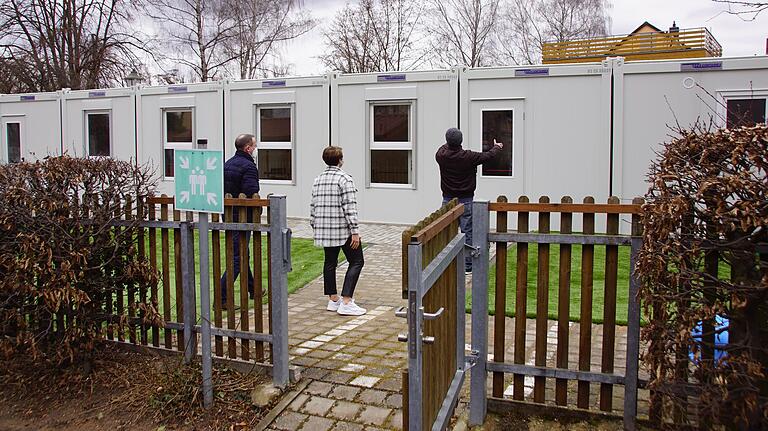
(13, 141)
(391, 144)
(498, 125)
(178, 133)
(274, 132)
(98, 133)
(745, 112)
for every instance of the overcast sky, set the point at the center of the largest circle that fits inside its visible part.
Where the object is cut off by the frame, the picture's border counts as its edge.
(737, 36)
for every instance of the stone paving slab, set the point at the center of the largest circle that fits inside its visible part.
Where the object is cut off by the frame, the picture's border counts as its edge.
(355, 363)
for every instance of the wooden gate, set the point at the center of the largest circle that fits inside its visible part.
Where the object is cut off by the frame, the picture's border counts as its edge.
(433, 282)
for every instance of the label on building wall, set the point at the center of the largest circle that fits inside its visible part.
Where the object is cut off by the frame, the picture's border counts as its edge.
(181, 89)
(702, 65)
(270, 84)
(28, 98)
(97, 93)
(391, 77)
(532, 72)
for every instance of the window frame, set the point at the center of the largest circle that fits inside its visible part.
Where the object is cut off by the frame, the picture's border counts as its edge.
(175, 145)
(13, 120)
(86, 131)
(726, 95)
(513, 146)
(289, 145)
(410, 145)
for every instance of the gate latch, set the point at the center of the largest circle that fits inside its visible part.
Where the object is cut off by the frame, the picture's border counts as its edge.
(402, 312)
(470, 360)
(474, 250)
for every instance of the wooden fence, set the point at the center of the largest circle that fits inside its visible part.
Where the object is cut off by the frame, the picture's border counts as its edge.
(238, 322)
(686, 43)
(582, 371)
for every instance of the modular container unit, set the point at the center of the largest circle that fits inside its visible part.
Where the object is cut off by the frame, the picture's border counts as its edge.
(390, 125)
(553, 122)
(290, 119)
(186, 116)
(100, 123)
(651, 97)
(31, 126)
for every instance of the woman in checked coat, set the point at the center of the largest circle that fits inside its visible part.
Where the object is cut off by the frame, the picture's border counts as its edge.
(333, 216)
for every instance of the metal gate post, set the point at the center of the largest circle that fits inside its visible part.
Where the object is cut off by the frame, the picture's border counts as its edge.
(477, 389)
(188, 290)
(279, 276)
(205, 311)
(415, 321)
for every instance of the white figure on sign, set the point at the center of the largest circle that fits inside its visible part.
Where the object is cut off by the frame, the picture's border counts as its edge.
(201, 180)
(193, 183)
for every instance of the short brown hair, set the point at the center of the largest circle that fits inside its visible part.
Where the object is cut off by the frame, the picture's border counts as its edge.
(243, 141)
(332, 155)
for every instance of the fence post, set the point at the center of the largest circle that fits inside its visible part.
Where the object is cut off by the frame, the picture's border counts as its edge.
(205, 308)
(478, 394)
(278, 229)
(188, 289)
(633, 328)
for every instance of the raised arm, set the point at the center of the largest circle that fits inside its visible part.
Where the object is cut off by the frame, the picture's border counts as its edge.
(485, 156)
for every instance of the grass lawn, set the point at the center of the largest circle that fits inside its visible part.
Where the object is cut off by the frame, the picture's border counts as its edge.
(307, 263)
(598, 289)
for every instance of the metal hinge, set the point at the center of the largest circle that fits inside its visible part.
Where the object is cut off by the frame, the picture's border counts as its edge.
(474, 250)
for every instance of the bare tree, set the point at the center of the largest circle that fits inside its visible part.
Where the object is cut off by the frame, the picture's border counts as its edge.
(461, 32)
(258, 27)
(46, 45)
(744, 8)
(374, 35)
(195, 31)
(528, 24)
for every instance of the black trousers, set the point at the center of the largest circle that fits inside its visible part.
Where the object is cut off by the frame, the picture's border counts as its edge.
(355, 260)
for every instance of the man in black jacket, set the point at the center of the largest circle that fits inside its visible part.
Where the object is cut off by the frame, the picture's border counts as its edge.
(240, 176)
(458, 172)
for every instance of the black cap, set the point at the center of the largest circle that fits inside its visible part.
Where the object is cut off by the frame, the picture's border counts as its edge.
(453, 137)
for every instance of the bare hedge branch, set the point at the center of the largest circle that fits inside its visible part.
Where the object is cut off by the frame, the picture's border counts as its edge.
(61, 258)
(705, 254)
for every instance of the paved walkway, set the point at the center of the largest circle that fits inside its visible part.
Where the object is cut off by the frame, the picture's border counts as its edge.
(354, 364)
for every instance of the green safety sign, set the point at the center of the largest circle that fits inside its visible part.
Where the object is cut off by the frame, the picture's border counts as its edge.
(199, 180)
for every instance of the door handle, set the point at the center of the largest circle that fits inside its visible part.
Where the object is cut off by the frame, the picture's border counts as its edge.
(433, 316)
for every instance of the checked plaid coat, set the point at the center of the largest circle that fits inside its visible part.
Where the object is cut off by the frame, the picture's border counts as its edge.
(333, 209)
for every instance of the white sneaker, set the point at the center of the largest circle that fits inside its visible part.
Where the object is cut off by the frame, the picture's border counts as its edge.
(333, 305)
(351, 309)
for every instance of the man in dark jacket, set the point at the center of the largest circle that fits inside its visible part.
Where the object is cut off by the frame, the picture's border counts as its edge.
(458, 172)
(240, 176)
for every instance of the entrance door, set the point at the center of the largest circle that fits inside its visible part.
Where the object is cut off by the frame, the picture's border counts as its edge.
(12, 139)
(502, 120)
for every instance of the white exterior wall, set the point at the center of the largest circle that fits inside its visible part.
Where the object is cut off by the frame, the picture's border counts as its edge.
(308, 98)
(433, 96)
(655, 92)
(39, 115)
(206, 102)
(561, 132)
(118, 102)
(562, 124)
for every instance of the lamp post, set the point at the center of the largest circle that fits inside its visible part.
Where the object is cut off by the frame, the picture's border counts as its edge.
(132, 78)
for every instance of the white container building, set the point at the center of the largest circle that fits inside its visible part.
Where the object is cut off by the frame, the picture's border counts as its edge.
(30, 126)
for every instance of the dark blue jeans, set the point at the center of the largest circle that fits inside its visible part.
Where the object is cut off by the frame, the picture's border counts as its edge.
(465, 224)
(236, 258)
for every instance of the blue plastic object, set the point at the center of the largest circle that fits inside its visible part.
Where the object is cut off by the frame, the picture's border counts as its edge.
(721, 339)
